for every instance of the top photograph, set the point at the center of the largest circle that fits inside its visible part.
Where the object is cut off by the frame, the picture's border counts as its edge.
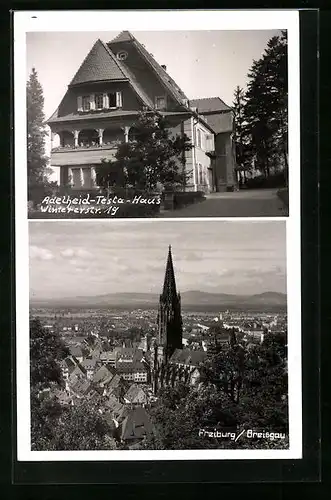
(157, 124)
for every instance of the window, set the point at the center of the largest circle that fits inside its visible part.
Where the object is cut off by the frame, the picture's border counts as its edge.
(209, 143)
(199, 138)
(86, 103)
(160, 102)
(98, 101)
(112, 100)
(122, 55)
(76, 178)
(87, 184)
(115, 100)
(200, 174)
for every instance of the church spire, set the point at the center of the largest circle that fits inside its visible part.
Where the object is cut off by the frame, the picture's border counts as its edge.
(169, 286)
(169, 321)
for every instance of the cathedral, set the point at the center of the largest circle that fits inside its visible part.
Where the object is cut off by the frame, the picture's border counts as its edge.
(169, 319)
(170, 363)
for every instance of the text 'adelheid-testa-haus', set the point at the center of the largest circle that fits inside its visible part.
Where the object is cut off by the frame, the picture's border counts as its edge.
(114, 83)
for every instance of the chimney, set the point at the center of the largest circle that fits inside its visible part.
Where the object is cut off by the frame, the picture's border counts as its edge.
(163, 66)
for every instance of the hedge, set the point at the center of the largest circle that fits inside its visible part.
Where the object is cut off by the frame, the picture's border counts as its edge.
(184, 198)
(272, 181)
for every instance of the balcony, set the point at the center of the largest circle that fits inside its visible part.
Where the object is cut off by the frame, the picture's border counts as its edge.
(82, 155)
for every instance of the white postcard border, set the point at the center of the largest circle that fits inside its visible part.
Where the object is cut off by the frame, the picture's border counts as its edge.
(27, 21)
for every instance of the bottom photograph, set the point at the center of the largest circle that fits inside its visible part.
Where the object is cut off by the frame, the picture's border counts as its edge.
(158, 335)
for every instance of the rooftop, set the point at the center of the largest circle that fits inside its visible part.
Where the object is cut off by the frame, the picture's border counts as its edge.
(209, 104)
(136, 425)
(100, 64)
(188, 357)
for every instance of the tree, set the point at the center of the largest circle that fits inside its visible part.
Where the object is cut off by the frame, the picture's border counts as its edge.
(153, 157)
(241, 139)
(38, 172)
(225, 370)
(78, 427)
(46, 352)
(265, 110)
(239, 389)
(55, 426)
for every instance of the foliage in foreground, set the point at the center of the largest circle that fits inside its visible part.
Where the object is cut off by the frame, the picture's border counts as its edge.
(261, 113)
(239, 390)
(153, 158)
(55, 426)
(37, 161)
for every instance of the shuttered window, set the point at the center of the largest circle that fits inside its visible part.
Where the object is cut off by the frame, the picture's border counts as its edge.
(199, 141)
(119, 99)
(92, 101)
(105, 101)
(98, 101)
(79, 103)
(112, 100)
(86, 103)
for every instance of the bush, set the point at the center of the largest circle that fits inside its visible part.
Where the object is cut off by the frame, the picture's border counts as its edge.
(37, 192)
(260, 182)
(184, 198)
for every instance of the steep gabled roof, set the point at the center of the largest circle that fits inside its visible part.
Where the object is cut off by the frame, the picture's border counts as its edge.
(99, 65)
(136, 425)
(135, 393)
(209, 104)
(169, 83)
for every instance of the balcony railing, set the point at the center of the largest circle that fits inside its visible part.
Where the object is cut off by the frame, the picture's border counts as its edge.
(88, 147)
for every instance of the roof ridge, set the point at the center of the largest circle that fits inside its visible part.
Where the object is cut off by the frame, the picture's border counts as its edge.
(205, 98)
(126, 32)
(211, 99)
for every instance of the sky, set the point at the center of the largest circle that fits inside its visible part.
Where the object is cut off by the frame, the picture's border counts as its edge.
(70, 259)
(203, 63)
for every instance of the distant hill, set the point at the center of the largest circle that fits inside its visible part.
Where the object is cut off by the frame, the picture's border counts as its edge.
(150, 301)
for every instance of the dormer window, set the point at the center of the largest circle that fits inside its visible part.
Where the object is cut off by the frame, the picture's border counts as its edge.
(160, 102)
(122, 55)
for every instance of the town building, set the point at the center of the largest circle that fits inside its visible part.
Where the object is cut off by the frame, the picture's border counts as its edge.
(136, 426)
(135, 395)
(134, 371)
(115, 82)
(90, 365)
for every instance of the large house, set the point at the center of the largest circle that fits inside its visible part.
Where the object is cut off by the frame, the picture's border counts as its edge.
(115, 82)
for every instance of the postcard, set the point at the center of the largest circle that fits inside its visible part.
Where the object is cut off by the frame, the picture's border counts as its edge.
(158, 270)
